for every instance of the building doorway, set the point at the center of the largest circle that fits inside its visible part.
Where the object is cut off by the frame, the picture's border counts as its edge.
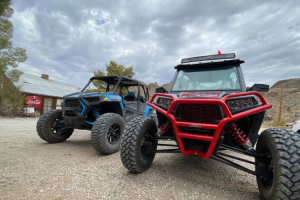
(48, 102)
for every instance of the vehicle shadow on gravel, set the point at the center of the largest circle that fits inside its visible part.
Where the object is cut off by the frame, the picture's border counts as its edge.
(192, 170)
(83, 145)
(78, 145)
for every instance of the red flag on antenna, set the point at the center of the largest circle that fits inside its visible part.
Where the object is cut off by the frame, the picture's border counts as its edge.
(219, 52)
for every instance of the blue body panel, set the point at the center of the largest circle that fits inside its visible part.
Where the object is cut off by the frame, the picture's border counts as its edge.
(107, 97)
(83, 107)
(147, 111)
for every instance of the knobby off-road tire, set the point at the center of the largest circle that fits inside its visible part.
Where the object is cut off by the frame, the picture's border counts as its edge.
(134, 154)
(38, 127)
(52, 129)
(283, 147)
(106, 133)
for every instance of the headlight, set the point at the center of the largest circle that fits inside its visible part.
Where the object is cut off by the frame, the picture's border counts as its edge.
(164, 101)
(240, 103)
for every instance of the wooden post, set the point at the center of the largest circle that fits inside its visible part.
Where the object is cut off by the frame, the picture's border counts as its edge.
(278, 124)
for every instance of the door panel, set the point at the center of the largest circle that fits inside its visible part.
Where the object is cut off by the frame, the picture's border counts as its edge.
(142, 108)
(129, 110)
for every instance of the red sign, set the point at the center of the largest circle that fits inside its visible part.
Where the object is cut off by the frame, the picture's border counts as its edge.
(33, 101)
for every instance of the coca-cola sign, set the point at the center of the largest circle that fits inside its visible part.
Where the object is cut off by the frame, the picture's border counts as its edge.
(33, 101)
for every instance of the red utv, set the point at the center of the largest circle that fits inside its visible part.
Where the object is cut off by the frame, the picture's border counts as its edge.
(208, 111)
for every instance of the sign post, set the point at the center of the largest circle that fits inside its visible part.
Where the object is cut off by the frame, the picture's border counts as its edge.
(279, 115)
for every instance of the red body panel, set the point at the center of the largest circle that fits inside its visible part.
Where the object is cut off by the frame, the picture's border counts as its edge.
(217, 127)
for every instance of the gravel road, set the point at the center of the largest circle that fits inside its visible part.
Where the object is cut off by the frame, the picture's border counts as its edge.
(33, 169)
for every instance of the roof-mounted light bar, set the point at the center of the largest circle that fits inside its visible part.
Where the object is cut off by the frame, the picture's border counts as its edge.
(210, 57)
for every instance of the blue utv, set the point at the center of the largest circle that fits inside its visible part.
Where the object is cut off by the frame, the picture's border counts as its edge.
(104, 113)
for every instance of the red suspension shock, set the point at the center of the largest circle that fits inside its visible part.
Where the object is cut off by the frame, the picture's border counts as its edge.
(164, 127)
(240, 137)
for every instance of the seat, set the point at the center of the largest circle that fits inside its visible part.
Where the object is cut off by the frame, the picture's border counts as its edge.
(142, 99)
(129, 96)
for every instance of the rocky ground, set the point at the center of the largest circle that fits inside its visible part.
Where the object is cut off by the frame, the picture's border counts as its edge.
(33, 169)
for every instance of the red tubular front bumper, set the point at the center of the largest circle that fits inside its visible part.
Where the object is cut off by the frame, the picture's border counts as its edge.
(217, 127)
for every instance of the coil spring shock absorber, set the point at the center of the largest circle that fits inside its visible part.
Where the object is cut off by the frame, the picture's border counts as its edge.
(240, 137)
(96, 112)
(164, 127)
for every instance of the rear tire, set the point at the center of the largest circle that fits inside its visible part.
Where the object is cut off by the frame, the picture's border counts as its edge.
(283, 149)
(52, 129)
(136, 141)
(106, 133)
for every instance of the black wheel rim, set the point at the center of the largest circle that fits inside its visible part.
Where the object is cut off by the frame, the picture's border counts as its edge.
(268, 164)
(146, 145)
(58, 127)
(114, 133)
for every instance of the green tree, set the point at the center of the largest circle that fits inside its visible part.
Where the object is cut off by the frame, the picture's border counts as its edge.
(111, 70)
(9, 56)
(13, 101)
(99, 84)
(114, 69)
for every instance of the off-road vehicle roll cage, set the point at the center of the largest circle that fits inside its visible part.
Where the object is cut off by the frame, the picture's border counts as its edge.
(184, 106)
(104, 113)
(208, 110)
(122, 81)
(112, 100)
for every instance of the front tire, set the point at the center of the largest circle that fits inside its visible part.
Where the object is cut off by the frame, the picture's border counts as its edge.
(52, 129)
(137, 148)
(106, 133)
(38, 127)
(282, 148)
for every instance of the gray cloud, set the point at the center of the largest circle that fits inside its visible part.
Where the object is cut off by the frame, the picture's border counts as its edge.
(70, 39)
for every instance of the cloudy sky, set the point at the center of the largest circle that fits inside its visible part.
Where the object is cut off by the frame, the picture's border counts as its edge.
(70, 39)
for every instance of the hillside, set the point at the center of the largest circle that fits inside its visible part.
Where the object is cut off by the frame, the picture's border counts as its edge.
(290, 99)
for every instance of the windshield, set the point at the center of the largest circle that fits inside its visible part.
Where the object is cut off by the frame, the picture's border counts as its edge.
(101, 86)
(209, 78)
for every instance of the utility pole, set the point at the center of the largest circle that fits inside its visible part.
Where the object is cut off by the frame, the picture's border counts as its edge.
(278, 123)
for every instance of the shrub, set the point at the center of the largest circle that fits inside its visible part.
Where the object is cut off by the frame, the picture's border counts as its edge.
(281, 123)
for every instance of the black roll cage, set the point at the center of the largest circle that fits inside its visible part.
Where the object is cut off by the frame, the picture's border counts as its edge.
(121, 81)
(235, 62)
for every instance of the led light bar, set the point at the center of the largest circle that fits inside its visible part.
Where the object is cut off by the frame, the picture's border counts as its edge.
(210, 57)
(216, 95)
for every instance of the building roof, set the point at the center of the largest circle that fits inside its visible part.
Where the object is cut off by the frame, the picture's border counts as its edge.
(36, 85)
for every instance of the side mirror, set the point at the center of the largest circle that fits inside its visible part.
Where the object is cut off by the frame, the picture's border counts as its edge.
(259, 88)
(160, 90)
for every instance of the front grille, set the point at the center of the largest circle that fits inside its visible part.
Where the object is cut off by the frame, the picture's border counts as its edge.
(198, 113)
(72, 103)
(70, 113)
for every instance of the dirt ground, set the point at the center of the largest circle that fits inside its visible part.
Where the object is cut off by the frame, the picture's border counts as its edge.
(33, 169)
